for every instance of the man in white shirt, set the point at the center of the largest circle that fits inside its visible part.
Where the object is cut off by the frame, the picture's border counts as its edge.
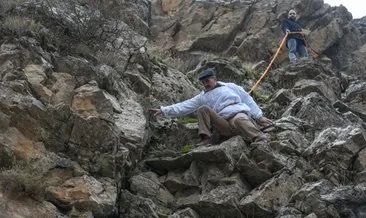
(224, 107)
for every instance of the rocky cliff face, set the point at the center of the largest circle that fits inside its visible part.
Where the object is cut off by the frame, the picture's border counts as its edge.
(77, 79)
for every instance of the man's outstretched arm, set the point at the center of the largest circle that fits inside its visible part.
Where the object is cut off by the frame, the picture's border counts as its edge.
(179, 109)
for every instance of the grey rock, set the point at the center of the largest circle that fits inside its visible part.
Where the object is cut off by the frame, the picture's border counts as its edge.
(185, 213)
(288, 212)
(304, 87)
(290, 142)
(87, 194)
(136, 206)
(336, 147)
(255, 174)
(354, 99)
(219, 201)
(308, 199)
(283, 97)
(316, 111)
(182, 180)
(226, 152)
(271, 195)
(148, 185)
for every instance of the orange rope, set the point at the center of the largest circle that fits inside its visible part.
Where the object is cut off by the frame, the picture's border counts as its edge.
(274, 57)
(270, 64)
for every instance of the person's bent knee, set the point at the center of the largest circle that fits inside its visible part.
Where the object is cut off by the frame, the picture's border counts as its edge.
(240, 119)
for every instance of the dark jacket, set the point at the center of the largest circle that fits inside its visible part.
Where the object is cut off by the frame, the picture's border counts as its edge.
(293, 27)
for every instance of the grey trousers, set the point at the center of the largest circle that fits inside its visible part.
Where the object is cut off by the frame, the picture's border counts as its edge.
(240, 124)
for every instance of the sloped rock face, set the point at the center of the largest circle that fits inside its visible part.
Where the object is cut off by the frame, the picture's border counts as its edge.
(250, 30)
(77, 138)
(313, 144)
(66, 112)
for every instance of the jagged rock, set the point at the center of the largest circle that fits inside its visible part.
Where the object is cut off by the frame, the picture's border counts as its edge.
(198, 30)
(22, 134)
(136, 206)
(169, 163)
(212, 172)
(80, 214)
(106, 113)
(348, 200)
(308, 199)
(10, 55)
(185, 213)
(315, 110)
(352, 195)
(254, 43)
(304, 87)
(292, 124)
(355, 99)
(290, 142)
(87, 194)
(142, 84)
(271, 195)
(63, 89)
(89, 100)
(180, 180)
(283, 97)
(323, 38)
(312, 215)
(256, 172)
(219, 201)
(77, 80)
(26, 207)
(37, 77)
(134, 13)
(226, 152)
(360, 162)
(176, 28)
(148, 185)
(357, 66)
(334, 151)
(170, 85)
(172, 137)
(112, 82)
(289, 212)
(82, 70)
(91, 141)
(288, 76)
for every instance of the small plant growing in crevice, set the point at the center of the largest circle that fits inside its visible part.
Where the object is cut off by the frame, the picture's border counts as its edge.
(259, 96)
(186, 148)
(252, 74)
(185, 120)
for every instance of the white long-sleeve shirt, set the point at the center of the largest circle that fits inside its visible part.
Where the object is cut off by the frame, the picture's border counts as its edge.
(227, 100)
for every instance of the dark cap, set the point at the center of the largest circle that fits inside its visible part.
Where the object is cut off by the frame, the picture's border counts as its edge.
(207, 73)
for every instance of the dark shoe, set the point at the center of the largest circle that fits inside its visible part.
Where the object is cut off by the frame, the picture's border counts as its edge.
(205, 142)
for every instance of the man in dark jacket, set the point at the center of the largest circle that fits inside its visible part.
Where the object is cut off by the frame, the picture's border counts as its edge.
(295, 42)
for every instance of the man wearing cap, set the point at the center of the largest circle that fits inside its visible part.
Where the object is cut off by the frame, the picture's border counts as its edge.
(295, 42)
(224, 107)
